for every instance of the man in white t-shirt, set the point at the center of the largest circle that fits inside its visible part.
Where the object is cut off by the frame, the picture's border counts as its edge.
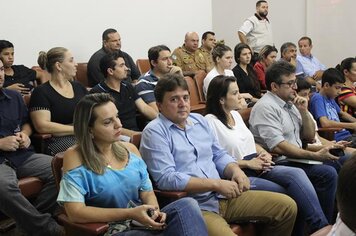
(256, 31)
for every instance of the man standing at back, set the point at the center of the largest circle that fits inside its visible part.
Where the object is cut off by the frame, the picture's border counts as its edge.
(188, 58)
(111, 42)
(256, 30)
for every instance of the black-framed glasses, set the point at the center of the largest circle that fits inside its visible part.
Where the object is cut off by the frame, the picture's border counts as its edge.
(290, 83)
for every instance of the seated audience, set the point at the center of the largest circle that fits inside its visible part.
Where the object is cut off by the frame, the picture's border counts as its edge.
(52, 103)
(308, 65)
(326, 111)
(188, 58)
(18, 160)
(222, 58)
(126, 99)
(345, 195)
(89, 189)
(161, 64)
(289, 53)
(267, 57)
(208, 42)
(279, 122)
(303, 90)
(182, 154)
(347, 97)
(222, 102)
(111, 42)
(244, 73)
(17, 77)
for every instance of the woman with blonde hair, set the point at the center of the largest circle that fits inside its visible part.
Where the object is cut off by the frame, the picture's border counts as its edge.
(52, 103)
(106, 181)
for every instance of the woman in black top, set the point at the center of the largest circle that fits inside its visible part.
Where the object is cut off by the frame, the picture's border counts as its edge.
(244, 73)
(52, 104)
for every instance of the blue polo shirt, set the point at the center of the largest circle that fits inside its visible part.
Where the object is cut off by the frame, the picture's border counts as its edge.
(13, 114)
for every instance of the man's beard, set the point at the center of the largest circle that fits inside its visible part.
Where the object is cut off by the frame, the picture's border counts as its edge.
(262, 14)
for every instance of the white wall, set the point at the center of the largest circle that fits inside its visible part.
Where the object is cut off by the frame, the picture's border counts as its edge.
(330, 23)
(332, 27)
(287, 18)
(77, 25)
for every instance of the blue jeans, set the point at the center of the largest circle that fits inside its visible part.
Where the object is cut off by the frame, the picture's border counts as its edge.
(324, 179)
(338, 164)
(295, 183)
(184, 218)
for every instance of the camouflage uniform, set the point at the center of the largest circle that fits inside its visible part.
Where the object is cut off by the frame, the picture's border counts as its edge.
(190, 61)
(208, 56)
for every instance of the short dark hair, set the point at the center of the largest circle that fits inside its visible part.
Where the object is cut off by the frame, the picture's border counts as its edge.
(108, 61)
(107, 32)
(5, 44)
(302, 84)
(332, 76)
(217, 89)
(205, 35)
(153, 53)
(169, 83)
(306, 38)
(275, 72)
(285, 47)
(346, 193)
(258, 3)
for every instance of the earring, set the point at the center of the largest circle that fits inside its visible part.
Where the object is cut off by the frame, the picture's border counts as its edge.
(91, 135)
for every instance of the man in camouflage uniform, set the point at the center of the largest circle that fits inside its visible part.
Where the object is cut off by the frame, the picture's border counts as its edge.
(208, 42)
(188, 58)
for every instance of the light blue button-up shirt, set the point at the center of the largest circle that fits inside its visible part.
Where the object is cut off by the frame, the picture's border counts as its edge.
(308, 65)
(173, 155)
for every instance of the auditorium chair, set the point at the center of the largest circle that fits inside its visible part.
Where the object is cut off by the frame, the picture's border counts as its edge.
(81, 75)
(195, 104)
(143, 65)
(199, 81)
(30, 187)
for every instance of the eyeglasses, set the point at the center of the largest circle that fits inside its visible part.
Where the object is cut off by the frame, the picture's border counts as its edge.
(290, 83)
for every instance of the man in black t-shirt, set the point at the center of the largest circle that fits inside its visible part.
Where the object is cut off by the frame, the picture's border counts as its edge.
(114, 69)
(111, 43)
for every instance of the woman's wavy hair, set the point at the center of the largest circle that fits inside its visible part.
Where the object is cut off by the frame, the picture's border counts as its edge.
(84, 119)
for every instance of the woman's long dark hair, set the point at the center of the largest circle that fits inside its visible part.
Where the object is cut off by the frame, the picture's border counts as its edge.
(218, 88)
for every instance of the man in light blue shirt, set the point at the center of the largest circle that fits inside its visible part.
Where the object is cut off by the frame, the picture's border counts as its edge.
(307, 64)
(183, 154)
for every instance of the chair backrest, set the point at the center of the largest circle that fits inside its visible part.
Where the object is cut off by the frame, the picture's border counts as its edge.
(193, 90)
(143, 65)
(199, 80)
(245, 114)
(81, 75)
(44, 76)
(136, 139)
(57, 164)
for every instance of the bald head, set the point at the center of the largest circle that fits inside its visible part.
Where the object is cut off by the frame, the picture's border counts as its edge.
(191, 41)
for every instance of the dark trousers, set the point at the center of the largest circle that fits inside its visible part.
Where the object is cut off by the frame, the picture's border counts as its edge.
(32, 218)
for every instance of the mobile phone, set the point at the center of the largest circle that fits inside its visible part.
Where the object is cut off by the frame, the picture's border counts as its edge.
(337, 152)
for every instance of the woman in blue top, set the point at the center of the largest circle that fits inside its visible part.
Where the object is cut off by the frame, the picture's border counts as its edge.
(105, 179)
